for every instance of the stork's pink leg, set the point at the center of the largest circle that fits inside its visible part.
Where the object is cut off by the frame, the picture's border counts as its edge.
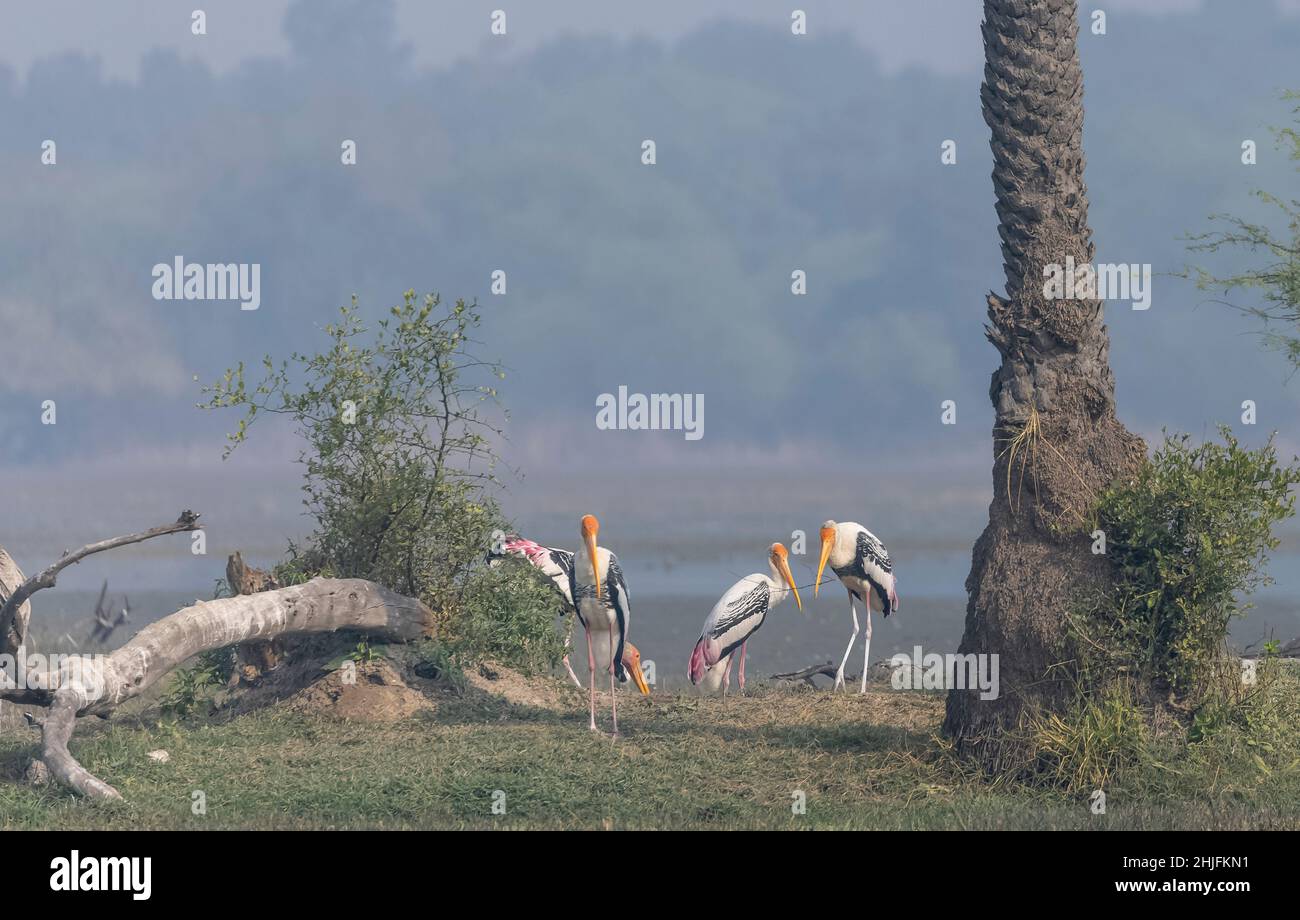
(591, 666)
(726, 676)
(742, 666)
(866, 654)
(613, 700)
(568, 640)
(839, 675)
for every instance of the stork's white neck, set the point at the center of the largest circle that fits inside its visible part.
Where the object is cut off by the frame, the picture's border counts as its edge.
(582, 564)
(780, 590)
(845, 547)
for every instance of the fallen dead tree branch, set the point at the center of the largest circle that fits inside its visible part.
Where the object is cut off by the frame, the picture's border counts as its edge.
(105, 622)
(188, 520)
(95, 685)
(11, 578)
(808, 673)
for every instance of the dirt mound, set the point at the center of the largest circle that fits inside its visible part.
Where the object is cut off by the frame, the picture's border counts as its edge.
(510, 685)
(318, 675)
(372, 691)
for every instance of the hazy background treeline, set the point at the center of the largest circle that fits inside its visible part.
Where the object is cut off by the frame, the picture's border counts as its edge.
(523, 153)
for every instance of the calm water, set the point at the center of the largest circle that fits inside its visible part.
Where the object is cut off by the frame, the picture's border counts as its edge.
(665, 625)
(682, 539)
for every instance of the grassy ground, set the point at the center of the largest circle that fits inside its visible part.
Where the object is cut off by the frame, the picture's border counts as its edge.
(682, 762)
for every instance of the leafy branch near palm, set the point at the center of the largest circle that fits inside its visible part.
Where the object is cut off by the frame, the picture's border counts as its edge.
(1274, 281)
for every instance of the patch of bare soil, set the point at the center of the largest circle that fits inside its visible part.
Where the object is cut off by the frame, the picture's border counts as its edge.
(519, 690)
(387, 688)
(373, 691)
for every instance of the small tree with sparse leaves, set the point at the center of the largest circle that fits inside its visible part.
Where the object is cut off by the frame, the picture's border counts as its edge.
(1275, 280)
(398, 422)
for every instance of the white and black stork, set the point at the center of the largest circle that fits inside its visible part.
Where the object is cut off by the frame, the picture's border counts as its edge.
(602, 604)
(737, 616)
(555, 564)
(863, 566)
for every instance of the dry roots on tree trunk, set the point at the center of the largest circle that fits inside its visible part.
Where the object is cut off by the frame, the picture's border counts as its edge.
(97, 684)
(1057, 442)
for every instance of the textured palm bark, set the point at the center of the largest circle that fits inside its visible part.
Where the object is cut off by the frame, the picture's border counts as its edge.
(1057, 442)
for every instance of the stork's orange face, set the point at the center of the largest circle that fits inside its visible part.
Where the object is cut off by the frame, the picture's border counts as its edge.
(589, 527)
(828, 544)
(781, 559)
(632, 664)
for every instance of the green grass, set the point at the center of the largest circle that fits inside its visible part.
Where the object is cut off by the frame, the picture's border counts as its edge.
(683, 762)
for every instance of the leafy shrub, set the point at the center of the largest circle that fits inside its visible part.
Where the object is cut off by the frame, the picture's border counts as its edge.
(299, 568)
(1096, 740)
(1157, 701)
(435, 661)
(189, 687)
(397, 425)
(397, 455)
(1188, 537)
(1273, 278)
(527, 638)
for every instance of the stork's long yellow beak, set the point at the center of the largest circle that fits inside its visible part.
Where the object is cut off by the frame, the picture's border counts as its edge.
(590, 538)
(827, 543)
(639, 679)
(789, 580)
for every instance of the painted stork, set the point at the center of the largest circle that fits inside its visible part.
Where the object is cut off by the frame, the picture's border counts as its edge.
(556, 565)
(737, 616)
(863, 566)
(601, 602)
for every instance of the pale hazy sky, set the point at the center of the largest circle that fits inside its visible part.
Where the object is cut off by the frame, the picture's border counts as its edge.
(821, 154)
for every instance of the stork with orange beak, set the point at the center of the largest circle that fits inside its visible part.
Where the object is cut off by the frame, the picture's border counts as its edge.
(738, 615)
(863, 566)
(601, 600)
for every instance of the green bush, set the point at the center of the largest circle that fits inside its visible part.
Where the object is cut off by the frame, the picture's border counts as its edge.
(397, 420)
(189, 687)
(1272, 252)
(396, 424)
(1096, 740)
(1158, 702)
(1188, 538)
(527, 638)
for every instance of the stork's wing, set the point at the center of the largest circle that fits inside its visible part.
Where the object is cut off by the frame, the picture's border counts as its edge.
(872, 553)
(561, 572)
(555, 564)
(873, 564)
(736, 616)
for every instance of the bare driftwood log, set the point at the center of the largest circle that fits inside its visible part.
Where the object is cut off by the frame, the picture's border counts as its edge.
(807, 674)
(95, 685)
(9, 616)
(105, 623)
(242, 578)
(14, 633)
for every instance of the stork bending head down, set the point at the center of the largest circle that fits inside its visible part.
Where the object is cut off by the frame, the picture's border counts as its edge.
(555, 564)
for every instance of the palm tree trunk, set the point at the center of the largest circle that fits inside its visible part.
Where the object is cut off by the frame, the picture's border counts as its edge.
(1057, 442)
